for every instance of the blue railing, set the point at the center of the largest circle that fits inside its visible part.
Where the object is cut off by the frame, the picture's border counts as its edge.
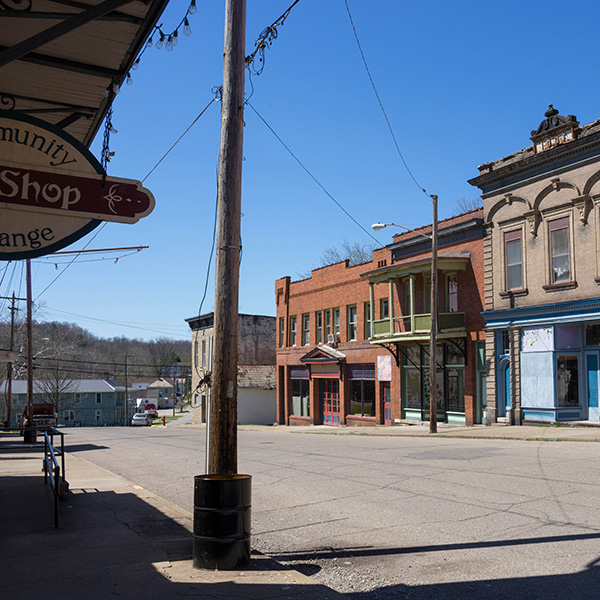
(52, 469)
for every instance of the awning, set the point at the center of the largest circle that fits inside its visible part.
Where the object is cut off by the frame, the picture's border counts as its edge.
(61, 61)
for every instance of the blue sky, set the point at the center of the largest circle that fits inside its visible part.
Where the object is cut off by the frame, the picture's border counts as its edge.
(462, 82)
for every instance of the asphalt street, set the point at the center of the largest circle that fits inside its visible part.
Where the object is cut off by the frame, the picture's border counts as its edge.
(394, 517)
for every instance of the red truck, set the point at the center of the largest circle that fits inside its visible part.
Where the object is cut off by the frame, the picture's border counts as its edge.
(43, 415)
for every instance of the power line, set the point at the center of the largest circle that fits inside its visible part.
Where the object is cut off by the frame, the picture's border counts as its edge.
(216, 97)
(111, 364)
(74, 259)
(165, 331)
(312, 176)
(381, 103)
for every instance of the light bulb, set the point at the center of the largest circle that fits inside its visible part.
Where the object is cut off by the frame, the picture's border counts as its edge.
(129, 79)
(149, 42)
(160, 42)
(192, 10)
(187, 30)
(135, 65)
(175, 38)
(169, 44)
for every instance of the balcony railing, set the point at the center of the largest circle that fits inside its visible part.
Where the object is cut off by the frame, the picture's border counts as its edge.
(402, 326)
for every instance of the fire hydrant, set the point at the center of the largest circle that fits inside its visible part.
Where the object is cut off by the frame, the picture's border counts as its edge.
(164, 421)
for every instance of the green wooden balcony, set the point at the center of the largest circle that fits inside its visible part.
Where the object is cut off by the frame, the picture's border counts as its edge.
(391, 330)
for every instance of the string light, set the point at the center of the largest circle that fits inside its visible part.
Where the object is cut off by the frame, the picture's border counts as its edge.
(187, 30)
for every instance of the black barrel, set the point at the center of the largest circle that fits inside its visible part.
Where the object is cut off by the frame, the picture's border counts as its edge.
(222, 521)
(29, 435)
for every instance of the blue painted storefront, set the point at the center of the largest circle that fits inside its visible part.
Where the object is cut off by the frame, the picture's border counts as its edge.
(559, 353)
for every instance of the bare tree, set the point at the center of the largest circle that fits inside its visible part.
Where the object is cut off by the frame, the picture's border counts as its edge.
(354, 252)
(162, 353)
(54, 372)
(464, 205)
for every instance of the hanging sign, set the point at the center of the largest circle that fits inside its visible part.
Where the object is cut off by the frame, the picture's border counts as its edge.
(53, 191)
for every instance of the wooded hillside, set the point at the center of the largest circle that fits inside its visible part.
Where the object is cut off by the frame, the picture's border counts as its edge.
(78, 354)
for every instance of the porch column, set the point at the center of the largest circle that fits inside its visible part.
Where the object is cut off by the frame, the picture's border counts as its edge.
(372, 308)
(411, 287)
(391, 306)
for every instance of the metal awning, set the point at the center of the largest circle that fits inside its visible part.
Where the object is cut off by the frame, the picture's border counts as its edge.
(445, 262)
(61, 60)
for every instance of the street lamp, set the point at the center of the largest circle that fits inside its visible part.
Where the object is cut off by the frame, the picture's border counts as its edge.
(434, 307)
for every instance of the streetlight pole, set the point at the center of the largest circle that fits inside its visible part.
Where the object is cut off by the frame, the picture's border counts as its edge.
(434, 310)
(433, 304)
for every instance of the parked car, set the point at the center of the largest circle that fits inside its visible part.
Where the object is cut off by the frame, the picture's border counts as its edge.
(141, 419)
(152, 413)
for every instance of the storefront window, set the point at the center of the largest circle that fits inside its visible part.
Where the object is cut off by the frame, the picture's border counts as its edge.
(413, 388)
(454, 355)
(567, 337)
(300, 400)
(592, 334)
(567, 381)
(362, 398)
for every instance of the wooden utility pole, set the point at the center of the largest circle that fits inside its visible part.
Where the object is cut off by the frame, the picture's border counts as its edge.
(9, 366)
(29, 350)
(223, 407)
(434, 317)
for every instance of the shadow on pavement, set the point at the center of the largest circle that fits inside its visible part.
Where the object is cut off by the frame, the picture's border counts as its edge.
(116, 545)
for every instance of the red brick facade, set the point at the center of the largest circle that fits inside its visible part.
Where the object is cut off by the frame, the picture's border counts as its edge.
(349, 367)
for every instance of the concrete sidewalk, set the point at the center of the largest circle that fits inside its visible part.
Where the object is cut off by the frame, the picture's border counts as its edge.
(115, 539)
(574, 432)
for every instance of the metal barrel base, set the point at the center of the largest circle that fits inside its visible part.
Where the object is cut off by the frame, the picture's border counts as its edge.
(29, 436)
(222, 521)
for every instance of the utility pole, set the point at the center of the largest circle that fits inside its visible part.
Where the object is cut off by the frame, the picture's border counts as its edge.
(434, 317)
(126, 420)
(223, 408)
(9, 367)
(30, 436)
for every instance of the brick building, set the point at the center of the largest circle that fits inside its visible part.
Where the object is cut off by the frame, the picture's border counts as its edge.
(542, 247)
(352, 341)
(256, 348)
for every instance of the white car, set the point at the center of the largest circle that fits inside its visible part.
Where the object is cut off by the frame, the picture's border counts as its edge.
(141, 419)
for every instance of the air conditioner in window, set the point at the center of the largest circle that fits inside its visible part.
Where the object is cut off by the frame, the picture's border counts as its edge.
(333, 339)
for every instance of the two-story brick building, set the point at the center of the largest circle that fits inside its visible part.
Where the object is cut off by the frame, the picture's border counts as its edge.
(353, 340)
(542, 272)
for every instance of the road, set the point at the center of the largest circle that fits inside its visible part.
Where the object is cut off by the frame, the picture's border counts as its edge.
(395, 517)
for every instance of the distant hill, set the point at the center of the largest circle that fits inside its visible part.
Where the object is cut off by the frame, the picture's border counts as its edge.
(78, 354)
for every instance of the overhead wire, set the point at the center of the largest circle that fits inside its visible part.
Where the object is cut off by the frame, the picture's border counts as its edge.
(387, 120)
(339, 205)
(71, 262)
(180, 137)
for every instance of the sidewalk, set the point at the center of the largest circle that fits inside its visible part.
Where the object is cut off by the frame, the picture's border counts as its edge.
(573, 432)
(115, 539)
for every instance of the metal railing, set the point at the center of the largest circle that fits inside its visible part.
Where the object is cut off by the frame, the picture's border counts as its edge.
(52, 469)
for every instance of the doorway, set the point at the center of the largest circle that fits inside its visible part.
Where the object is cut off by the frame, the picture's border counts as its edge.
(386, 394)
(330, 401)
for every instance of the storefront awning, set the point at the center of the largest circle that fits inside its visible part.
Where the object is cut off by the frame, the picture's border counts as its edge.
(564, 312)
(64, 61)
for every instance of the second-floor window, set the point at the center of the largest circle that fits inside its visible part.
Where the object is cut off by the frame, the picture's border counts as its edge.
(384, 308)
(513, 252)
(281, 332)
(98, 398)
(452, 293)
(327, 322)
(204, 354)
(293, 330)
(352, 322)
(319, 326)
(560, 259)
(367, 320)
(336, 321)
(305, 330)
